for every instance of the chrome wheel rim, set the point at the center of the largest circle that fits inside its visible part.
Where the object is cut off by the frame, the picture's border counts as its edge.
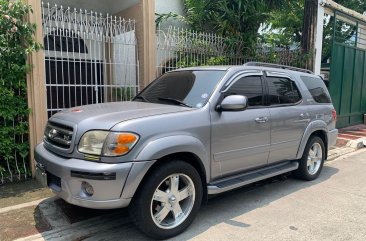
(172, 201)
(315, 157)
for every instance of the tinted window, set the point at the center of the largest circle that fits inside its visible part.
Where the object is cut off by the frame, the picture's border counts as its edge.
(190, 87)
(282, 91)
(251, 87)
(317, 89)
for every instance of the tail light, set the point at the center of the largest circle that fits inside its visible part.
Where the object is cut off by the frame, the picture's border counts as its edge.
(334, 115)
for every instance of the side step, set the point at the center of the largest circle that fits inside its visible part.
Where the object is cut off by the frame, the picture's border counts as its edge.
(230, 183)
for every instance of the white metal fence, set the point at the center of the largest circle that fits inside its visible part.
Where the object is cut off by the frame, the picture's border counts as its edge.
(89, 58)
(178, 48)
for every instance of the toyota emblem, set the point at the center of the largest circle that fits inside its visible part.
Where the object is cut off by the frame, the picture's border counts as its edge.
(52, 133)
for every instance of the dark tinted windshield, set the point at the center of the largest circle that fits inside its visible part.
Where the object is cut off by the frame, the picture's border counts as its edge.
(192, 88)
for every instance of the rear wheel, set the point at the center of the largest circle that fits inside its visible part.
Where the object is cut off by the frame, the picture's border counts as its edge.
(312, 161)
(168, 201)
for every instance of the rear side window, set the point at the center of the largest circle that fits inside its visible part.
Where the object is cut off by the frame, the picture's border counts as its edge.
(317, 89)
(251, 87)
(282, 91)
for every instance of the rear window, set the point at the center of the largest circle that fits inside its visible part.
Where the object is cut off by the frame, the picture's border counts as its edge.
(317, 89)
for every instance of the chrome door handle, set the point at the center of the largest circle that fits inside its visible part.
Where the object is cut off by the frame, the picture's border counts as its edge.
(261, 119)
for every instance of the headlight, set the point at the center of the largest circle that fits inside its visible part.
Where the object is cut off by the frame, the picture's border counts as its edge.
(119, 143)
(107, 143)
(92, 142)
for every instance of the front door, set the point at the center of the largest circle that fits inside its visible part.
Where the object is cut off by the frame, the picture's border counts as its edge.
(241, 140)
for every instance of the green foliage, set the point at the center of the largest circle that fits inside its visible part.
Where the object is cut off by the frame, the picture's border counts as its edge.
(285, 24)
(239, 19)
(16, 42)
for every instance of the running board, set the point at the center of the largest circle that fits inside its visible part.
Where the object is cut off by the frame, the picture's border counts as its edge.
(230, 183)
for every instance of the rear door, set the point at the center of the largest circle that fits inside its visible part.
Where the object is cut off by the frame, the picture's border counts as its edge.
(241, 139)
(289, 116)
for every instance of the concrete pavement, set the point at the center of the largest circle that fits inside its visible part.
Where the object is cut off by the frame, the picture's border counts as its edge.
(332, 207)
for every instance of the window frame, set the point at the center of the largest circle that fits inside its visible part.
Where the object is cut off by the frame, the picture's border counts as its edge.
(280, 75)
(240, 75)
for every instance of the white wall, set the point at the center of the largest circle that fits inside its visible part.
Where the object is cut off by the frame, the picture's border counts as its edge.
(361, 43)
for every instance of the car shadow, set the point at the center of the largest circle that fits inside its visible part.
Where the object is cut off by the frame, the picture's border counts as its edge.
(222, 208)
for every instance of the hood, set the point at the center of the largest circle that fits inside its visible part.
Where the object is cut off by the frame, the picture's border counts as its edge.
(106, 115)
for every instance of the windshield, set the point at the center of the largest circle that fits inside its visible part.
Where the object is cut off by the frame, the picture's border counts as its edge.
(184, 88)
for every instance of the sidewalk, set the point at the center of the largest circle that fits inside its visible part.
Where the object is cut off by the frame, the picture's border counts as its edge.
(349, 139)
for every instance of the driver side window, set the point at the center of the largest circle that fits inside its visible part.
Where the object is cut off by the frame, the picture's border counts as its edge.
(249, 86)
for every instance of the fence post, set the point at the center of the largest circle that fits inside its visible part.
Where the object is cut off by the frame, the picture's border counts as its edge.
(319, 38)
(36, 88)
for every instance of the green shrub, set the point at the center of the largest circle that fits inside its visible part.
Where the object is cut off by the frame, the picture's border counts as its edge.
(16, 43)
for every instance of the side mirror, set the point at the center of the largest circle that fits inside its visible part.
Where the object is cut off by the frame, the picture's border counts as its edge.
(233, 103)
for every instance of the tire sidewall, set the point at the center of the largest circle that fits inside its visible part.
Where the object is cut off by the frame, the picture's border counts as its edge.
(303, 170)
(145, 195)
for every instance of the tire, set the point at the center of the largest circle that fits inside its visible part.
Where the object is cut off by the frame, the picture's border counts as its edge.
(312, 160)
(157, 210)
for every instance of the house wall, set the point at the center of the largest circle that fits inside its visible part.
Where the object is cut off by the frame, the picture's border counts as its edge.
(361, 43)
(144, 14)
(174, 6)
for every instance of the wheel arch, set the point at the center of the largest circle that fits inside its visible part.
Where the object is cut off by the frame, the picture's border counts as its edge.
(317, 128)
(185, 148)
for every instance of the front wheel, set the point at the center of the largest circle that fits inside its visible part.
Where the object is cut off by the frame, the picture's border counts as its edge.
(168, 200)
(312, 161)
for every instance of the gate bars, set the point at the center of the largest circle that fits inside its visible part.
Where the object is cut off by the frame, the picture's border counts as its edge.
(89, 58)
(178, 47)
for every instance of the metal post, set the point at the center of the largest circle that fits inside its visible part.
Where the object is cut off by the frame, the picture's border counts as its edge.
(319, 38)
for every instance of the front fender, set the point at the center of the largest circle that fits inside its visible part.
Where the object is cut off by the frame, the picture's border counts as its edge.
(173, 144)
(317, 125)
(157, 149)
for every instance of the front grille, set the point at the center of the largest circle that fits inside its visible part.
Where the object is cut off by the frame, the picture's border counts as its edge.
(58, 135)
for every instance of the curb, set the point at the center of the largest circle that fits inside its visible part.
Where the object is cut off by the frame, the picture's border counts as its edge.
(52, 213)
(347, 147)
(357, 144)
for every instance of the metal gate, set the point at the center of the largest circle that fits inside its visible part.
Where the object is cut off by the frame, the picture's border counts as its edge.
(347, 84)
(89, 58)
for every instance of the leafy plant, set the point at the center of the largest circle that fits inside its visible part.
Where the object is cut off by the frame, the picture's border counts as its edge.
(284, 26)
(16, 43)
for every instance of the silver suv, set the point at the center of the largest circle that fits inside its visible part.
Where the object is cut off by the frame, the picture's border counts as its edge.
(191, 133)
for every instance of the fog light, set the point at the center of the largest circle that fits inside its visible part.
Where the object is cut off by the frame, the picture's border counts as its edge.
(87, 188)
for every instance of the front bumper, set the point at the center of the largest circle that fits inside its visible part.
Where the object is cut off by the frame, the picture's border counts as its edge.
(62, 180)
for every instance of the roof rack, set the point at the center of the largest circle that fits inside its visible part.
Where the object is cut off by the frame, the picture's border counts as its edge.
(278, 66)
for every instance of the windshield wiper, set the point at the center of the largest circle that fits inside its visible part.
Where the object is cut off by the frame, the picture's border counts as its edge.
(141, 98)
(175, 101)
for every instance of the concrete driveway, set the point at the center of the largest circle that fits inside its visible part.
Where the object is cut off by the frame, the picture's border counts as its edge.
(332, 207)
